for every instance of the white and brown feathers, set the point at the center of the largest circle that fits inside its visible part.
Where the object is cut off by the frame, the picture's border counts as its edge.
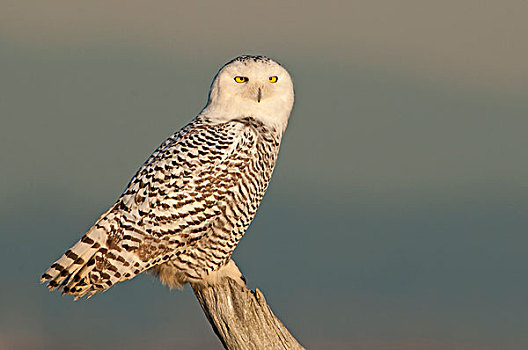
(184, 211)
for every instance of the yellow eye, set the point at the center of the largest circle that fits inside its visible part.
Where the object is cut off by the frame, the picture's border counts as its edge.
(240, 79)
(273, 79)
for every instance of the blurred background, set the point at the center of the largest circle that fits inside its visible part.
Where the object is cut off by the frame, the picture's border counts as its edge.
(397, 215)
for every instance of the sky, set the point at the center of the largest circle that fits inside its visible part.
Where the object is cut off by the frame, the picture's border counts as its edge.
(396, 217)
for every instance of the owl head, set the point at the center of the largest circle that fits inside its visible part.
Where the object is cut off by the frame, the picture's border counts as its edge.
(251, 86)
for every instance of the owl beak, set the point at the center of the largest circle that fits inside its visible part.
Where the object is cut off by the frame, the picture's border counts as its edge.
(259, 95)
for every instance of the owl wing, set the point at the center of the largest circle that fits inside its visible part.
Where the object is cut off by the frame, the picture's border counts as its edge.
(171, 202)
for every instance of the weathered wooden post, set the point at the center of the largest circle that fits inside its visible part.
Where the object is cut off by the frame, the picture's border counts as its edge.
(241, 318)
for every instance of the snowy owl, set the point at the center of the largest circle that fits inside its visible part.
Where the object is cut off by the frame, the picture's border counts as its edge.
(185, 210)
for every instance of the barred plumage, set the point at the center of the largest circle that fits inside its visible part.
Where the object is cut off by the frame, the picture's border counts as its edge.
(183, 213)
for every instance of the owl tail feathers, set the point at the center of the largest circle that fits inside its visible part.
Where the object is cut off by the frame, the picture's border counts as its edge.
(69, 273)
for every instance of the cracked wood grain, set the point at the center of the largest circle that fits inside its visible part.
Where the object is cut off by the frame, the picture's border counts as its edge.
(241, 318)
